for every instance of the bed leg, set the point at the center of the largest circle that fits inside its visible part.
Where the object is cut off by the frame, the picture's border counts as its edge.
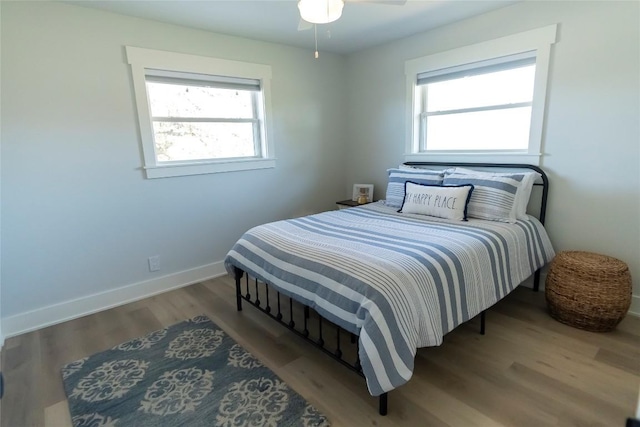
(482, 321)
(382, 409)
(536, 281)
(238, 276)
(305, 332)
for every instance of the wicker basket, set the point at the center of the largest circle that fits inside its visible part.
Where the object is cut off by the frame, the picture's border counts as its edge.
(587, 290)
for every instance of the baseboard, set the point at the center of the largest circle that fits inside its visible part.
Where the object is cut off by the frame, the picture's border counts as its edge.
(634, 310)
(528, 283)
(68, 310)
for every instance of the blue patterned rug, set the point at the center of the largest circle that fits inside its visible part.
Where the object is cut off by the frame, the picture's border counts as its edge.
(189, 374)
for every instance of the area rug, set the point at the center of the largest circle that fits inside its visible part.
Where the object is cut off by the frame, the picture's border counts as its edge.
(189, 374)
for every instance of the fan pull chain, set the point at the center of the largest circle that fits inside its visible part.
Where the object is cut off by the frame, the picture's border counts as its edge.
(315, 33)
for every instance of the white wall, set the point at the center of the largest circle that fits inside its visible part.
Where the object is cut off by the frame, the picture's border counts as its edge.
(1, 333)
(592, 138)
(79, 218)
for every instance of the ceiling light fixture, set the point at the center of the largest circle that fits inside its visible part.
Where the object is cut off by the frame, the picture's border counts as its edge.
(320, 11)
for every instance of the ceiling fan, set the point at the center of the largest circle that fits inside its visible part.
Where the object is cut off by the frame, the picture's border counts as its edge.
(326, 11)
(313, 12)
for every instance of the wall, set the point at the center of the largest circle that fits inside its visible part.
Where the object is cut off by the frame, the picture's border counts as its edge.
(591, 140)
(1, 331)
(79, 220)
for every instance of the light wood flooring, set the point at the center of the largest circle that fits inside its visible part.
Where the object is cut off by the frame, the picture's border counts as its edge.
(528, 370)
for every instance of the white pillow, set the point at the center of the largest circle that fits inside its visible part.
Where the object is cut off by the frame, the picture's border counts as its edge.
(442, 202)
(523, 194)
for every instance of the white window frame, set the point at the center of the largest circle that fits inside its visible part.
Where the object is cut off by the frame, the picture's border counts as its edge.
(538, 41)
(143, 60)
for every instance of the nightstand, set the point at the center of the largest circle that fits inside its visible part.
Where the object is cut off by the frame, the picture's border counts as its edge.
(343, 204)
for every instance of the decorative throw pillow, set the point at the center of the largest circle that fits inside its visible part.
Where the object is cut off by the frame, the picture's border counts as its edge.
(442, 202)
(397, 178)
(493, 196)
(524, 190)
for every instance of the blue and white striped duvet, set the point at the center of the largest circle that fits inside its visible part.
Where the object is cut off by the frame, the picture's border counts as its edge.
(398, 281)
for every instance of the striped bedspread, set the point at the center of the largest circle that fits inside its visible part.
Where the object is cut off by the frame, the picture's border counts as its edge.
(399, 281)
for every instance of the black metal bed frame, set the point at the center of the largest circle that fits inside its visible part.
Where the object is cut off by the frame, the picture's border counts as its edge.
(287, 320)
(286, 308)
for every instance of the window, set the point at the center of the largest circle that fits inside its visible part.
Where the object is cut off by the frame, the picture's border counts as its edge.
(484, 107)
(484, 100)
(200, 115)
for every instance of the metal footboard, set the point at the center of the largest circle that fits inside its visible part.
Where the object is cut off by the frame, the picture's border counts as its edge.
(304, 322)
(326, 336)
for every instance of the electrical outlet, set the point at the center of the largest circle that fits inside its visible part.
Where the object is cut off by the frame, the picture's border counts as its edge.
(154, 263)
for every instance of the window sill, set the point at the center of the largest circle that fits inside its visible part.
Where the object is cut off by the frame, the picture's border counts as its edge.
(201, 168)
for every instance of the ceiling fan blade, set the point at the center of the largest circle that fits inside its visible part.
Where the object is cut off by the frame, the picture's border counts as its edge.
(304, 25)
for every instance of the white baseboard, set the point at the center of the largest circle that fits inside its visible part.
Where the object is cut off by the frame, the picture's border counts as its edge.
(72, 309)
(634, 310)
(528, 283)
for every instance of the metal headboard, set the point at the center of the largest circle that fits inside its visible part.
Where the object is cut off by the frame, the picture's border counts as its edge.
(544, 184)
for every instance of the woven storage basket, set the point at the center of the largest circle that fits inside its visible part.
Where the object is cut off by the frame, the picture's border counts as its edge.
(588, 290)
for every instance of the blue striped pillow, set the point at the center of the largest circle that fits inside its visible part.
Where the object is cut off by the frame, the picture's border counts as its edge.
(524, 191)
(493, 197)
(397, 178)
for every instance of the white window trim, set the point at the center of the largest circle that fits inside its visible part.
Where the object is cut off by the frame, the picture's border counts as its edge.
(141, 59)
(538, 40)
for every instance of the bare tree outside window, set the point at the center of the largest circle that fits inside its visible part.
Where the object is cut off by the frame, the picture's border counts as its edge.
(194, 122)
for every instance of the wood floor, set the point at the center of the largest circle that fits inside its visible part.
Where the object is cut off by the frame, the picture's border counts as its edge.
(529, 370)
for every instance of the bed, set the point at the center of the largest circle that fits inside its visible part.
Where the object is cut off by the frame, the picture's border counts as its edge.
(393, 281)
